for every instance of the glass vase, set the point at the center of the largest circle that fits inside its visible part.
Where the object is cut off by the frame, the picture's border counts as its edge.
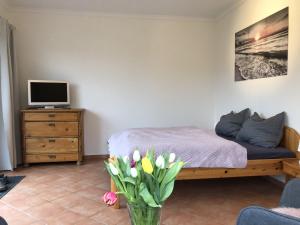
(144, 215)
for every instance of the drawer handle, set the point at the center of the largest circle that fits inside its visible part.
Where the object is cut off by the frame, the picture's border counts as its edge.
(51, 140)
(51, 115)
(51, 124)
(52, 156)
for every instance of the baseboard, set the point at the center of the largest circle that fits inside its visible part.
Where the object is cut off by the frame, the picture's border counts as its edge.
(100, 157)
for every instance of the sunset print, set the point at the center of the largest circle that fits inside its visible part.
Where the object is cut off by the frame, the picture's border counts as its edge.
(261, 50)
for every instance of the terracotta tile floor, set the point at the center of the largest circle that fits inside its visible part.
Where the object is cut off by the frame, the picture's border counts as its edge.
(69, 194)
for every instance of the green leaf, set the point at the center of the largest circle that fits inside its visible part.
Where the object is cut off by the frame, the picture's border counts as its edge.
(161, 175)
(171, 174)
(148, 180)
(122, 167)
(129, 180)
(115, 179)
(130, 190)
(147, 197)
(167, 191)
(151, 156)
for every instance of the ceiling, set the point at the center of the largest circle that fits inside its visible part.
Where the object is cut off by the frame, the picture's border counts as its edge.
(188, 8)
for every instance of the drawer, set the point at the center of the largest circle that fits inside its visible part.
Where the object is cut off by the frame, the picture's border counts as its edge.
(51, 129)
(51, 116)
(50, 158)
(51, 145)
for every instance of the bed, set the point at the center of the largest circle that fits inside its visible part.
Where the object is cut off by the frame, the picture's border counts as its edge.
(267, 163)
(196, 147)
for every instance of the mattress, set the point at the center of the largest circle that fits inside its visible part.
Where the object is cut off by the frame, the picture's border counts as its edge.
(257, 152)
(197, 147)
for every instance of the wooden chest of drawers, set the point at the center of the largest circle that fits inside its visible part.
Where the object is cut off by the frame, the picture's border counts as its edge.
(52, 135)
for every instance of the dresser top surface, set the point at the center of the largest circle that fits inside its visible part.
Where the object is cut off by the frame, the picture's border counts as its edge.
(52, 110)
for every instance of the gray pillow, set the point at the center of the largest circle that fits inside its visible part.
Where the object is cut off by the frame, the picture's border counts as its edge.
(263, 132)
(230, 124)
(256, 117)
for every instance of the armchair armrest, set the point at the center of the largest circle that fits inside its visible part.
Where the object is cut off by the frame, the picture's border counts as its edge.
(291, 194)
(255, 215)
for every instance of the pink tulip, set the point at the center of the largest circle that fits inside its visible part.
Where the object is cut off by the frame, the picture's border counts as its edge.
(110, 198)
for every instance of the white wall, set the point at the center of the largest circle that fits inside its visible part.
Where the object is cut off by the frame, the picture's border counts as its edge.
(267, 96)
(140, 71)
(125, 71)
(3, 9)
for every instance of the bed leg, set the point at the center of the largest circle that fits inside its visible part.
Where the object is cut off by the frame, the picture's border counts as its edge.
(113, 188)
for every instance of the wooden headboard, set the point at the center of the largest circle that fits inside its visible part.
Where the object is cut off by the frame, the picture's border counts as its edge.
(290, 139)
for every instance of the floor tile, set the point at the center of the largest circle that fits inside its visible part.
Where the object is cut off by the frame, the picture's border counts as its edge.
(45, 211)
(66, 194)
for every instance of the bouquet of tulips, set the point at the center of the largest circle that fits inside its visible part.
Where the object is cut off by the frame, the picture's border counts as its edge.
(145, 182)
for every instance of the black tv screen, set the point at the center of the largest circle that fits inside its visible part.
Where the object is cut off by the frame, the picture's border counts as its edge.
(43, 93)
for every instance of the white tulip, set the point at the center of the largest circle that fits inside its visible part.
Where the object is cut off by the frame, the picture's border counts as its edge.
(160, 162)
(113, 169)
(172, 157)
(133, 172)
(125, 159)
(136, 156)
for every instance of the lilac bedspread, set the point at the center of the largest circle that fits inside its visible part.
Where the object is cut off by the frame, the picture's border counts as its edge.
(197, 147)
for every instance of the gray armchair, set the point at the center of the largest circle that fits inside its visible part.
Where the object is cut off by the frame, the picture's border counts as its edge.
(2, 221)
(255, 215)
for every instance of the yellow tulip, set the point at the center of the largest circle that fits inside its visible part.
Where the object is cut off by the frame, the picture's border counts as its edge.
(147, 166)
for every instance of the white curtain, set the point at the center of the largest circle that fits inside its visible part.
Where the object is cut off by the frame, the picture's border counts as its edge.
(9, 110)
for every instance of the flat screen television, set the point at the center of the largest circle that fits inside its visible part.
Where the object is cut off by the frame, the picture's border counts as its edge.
(48, 93)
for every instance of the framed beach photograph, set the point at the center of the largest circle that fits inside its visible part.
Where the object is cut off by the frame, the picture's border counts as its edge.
(261, 50)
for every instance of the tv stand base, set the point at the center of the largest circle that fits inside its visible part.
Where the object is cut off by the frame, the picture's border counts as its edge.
(49, 107)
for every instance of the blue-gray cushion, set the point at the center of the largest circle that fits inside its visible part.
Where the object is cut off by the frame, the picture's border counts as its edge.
(262, 132)
(255, 215)
(230, 124)
(291, 194)
(256, 117)
(2, 221)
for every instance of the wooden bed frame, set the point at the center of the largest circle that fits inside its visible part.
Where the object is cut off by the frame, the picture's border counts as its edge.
(261, 167)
